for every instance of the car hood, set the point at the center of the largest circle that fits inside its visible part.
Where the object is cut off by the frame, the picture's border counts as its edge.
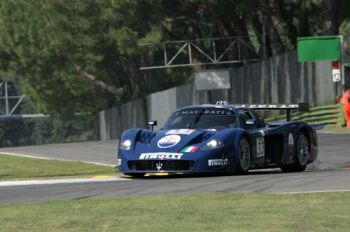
(171, 140)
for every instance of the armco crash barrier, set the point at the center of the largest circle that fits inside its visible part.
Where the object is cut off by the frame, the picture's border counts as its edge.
(345, 101)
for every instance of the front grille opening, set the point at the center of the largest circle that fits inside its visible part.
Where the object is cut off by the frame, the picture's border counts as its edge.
(166, 165)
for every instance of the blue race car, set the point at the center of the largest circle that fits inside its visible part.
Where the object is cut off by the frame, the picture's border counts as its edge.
(218, 138)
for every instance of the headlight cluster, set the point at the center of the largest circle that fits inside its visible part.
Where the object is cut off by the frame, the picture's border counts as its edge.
(125, 144)
(213, 144)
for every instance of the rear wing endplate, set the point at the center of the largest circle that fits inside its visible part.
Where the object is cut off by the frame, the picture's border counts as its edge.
(301, 107)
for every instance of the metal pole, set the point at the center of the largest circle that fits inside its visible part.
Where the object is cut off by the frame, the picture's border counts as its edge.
(17, 104)
(239, 50)
(341, 63)
(214, 50)
(264, 40)
(288, 114)
(6, 99)
(189, 53)
(165, 55)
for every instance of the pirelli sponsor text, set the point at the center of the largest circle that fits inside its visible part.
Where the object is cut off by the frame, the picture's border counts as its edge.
(161, 156)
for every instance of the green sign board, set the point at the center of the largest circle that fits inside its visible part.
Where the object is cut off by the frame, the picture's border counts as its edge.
(318, 48)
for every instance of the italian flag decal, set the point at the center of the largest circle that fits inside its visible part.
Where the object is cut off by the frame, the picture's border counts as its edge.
(190, 149)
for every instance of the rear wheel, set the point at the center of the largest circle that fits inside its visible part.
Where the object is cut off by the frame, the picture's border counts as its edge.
(244, 156)
(303, 152)
(302, 157)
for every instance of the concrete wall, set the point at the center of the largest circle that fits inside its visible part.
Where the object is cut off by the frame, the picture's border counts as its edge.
(280, 79)
(113, 122)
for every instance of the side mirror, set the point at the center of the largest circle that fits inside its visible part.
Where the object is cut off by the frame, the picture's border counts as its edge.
(152, 123)
(250, 122)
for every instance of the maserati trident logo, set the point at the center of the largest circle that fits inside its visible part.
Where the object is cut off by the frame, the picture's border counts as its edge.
(159, 166)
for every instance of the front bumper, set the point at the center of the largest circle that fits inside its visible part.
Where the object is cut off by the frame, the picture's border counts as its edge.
(200, 164)
(160, 165)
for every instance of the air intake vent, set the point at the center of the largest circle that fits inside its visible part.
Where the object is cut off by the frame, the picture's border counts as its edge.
(221, 103)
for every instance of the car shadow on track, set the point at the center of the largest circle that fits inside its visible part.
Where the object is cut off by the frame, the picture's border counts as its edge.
(204, 175)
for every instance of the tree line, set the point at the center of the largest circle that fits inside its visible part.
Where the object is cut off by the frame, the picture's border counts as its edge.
(83, 56)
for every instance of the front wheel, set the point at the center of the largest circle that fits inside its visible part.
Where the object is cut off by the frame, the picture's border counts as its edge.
(244, 156)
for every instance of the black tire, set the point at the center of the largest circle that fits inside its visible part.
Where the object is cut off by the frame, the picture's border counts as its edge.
(135, 175)
(302, 154)
(244, 156)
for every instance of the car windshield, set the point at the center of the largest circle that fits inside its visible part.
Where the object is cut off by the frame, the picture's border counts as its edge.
(197, 118)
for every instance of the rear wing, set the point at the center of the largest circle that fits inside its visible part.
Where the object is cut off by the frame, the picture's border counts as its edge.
(301, 107)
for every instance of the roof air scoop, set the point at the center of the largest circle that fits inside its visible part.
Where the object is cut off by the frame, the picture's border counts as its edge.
(221, 103)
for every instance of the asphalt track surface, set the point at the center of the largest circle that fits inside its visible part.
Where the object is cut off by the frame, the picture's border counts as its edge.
(102, 152)
(331, 172)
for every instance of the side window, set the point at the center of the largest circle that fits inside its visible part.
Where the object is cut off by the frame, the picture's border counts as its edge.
(245, 115)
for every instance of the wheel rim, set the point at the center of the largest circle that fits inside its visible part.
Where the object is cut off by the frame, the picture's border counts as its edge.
(244, 154)
(303, 150)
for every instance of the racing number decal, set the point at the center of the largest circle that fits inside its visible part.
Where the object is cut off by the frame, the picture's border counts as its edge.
(260, 147)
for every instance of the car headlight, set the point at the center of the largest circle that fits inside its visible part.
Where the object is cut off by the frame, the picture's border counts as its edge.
(213, 144)
(125, 144)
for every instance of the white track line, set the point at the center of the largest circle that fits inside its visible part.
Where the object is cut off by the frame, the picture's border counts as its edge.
(47, 158)
(58, 181)
(317, 191)
(332, 132)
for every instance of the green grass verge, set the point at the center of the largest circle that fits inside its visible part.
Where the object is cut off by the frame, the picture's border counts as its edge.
(335, 129)
(330, 115)
(220, 212)
(14, 167)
